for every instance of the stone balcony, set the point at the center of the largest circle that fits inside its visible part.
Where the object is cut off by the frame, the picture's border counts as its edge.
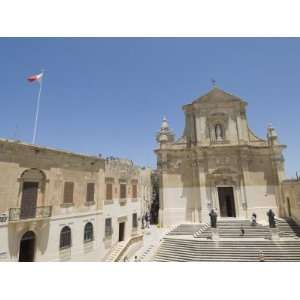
(38, 213)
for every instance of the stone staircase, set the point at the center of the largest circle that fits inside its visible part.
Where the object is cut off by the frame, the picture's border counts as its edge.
(115, 252)
(184, 250)
(231, 228)
(288, 228)
(186, 229)
(185, 244)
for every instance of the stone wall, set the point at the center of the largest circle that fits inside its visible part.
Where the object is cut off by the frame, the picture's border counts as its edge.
(291, 198)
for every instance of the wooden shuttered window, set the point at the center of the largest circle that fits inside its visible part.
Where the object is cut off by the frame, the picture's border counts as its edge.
(109, 191)
(90, 192)
(68, 192)
(123, 191)
(134, 191)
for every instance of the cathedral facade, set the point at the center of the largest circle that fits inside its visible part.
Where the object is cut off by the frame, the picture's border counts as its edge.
(218, 163)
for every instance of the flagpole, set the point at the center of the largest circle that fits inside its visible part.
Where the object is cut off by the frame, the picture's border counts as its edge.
(37, 111)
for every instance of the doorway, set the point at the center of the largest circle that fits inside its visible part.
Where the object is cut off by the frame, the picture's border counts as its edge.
(226, 202)
(121, 231)
(27, 246)
(29, 199)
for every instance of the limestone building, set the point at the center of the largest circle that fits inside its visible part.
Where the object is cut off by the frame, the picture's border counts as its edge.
(62, 206)
(218, 163)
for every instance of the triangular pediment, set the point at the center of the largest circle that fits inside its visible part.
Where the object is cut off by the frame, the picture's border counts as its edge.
(217, 95)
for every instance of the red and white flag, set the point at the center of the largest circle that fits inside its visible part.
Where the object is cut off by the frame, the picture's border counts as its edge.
(37, 77)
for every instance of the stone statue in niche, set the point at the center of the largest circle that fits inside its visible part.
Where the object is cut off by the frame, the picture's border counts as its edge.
(218, 132)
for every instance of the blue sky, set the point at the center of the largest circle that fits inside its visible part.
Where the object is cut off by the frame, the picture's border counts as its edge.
(108, 96)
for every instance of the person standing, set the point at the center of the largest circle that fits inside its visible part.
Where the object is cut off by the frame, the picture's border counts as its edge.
(261, 256)
(147, 219)
(143, 221)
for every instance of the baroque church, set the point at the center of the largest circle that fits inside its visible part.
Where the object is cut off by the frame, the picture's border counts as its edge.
(218, 163)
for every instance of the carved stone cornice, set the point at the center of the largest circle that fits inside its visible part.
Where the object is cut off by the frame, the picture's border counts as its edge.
(224, 176)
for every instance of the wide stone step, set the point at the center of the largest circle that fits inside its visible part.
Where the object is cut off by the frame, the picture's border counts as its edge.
(229, 252)
(226, 257)
(237, 249)
(211, 257)
(234, 243)
(174, 259)
(231, 246)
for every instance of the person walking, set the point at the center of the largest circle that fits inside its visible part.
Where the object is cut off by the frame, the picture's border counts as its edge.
(242, 230)
(253, 219)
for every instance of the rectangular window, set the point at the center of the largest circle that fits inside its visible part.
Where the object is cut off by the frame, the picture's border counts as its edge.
(90, 192)
(134, 191)
(123, 191)
(134, 220)
(108, 227)
(109, 191)
(68, 192)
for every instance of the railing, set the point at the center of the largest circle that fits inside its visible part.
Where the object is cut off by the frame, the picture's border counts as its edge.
(41, 212)
(131, 241)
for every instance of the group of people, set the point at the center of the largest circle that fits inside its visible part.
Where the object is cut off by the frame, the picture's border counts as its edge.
(271, 215)
(135, 259)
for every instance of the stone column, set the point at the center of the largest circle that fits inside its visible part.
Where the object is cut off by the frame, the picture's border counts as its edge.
(196, 191)
(203, 200)
(244, 181)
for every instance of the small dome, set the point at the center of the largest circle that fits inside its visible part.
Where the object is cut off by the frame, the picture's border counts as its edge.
(164, 124)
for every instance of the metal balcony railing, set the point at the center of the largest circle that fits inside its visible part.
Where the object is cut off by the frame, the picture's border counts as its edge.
(41, 212)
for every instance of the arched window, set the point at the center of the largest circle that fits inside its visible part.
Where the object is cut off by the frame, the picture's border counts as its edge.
(65, 238)
(88, 232)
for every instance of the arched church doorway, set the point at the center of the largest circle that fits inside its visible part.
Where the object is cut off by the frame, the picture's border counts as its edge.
(226, 202)
(27, 247)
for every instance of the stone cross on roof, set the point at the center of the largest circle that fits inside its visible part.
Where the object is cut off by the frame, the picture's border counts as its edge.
(213, 81)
